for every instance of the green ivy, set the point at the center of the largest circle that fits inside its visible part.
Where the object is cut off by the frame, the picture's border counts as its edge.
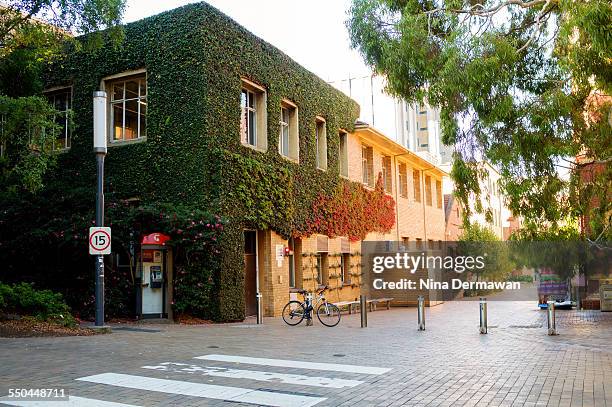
(195, 57)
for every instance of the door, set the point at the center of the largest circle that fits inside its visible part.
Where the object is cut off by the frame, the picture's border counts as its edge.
(250, 272)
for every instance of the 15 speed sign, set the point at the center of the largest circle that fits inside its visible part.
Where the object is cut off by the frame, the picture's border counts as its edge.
(99, 240)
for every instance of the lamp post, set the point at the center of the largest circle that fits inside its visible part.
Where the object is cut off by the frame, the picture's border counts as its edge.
(99, 136)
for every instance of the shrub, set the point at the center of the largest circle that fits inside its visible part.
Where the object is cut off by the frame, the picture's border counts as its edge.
(521, 278)
(46, 305)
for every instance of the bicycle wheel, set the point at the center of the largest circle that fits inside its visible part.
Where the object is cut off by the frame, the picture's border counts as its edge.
(328, 314)
(293, 313)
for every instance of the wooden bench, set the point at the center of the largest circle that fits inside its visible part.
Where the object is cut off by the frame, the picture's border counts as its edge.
(348, 304)
(374, 302)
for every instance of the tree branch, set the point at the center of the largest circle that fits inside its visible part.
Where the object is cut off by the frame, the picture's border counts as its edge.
(479, 10)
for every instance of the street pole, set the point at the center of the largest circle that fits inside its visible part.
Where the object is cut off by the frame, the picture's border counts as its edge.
(99, 129)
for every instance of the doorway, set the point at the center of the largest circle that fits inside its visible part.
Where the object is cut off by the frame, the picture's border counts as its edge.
(250, 272)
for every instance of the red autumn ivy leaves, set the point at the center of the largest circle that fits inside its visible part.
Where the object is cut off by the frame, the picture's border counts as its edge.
(352, 211)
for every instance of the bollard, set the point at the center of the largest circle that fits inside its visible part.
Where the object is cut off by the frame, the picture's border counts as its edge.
(421, 312)
(483, 315)
(552, 323)
(259, 311)
(309, 309)
(363, 306)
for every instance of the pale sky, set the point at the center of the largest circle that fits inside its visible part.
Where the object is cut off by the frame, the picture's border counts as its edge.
(311, 32)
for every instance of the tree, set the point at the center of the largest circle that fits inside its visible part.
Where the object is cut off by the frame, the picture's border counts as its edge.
(477, 240)
(32, 35)
(523, 84)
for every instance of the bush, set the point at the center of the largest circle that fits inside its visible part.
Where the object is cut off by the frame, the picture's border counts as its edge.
(45, 305)
(521, 278)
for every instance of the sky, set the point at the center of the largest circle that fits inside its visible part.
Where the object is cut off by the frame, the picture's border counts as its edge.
(316, 40)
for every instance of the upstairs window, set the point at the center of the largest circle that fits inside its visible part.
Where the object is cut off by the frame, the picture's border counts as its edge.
(253, 125)
(403, 181)
(343, 154)
(439, 194)
(321, 144)
(386, 173)
(288, 143)
(416, 185)
(428, 192)
(367, 165)
(128, 108)
(61, 100)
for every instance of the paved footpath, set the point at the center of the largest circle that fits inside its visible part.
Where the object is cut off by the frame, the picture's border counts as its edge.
(389, 363)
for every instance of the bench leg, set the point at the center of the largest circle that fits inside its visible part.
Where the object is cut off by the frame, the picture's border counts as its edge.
(388, 305)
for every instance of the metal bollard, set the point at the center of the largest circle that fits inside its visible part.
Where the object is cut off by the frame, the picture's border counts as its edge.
(259, 310)
(552, 323)
(363, 306)
(309, 311)
(483, 315)
(421, 312)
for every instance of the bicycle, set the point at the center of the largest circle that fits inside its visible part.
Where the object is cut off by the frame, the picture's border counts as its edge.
(327, 313)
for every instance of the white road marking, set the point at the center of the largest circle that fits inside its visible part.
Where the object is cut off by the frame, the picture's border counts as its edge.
(256, 375)
(298, 364)
(228, 393)
(71, 402)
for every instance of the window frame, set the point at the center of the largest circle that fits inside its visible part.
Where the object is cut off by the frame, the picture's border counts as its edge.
(402, 182)
(293, 138)
(367, 165)
(416, 185)
(321, 143)
(260, 115)
(387, 173)
(439, 200)
(106, 84)
(428, 191)
(343, 158)
(65, 114)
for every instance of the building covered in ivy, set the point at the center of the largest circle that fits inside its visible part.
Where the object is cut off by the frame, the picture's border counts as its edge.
(231, 171)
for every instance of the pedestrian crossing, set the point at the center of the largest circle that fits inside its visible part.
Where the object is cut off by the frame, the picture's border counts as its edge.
(235, 367)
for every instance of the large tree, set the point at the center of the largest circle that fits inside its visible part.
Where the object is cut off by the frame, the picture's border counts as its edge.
(522, 84)
(32, 35)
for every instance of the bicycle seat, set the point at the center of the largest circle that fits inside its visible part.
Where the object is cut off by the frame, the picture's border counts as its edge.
(302, 292)
(321, 289)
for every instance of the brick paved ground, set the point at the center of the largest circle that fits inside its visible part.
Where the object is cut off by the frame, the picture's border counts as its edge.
(450, 364)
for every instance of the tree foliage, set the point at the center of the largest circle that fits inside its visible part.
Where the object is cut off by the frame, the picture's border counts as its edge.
(524, 85)
(33, 35)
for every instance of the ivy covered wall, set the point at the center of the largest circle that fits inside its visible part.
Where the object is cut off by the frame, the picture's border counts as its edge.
(195, 57)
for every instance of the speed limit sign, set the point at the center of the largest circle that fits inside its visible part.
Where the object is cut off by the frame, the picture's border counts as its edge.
(99, 240)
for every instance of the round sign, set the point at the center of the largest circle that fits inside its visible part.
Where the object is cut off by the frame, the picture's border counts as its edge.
(99, 240)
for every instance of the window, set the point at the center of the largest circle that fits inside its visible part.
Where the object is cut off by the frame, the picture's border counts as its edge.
(343, 154)
(345, 268)
(128, 110)
(428, 192)
(386, 173)
(367, 165)
(321, 267)
(403, 181)
(253, 124)
(439, 194)
(321, 144)
(61, 99)
(289, 144)
(416, 185)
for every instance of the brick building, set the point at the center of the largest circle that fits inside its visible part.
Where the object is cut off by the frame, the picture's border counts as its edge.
(203, 113)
